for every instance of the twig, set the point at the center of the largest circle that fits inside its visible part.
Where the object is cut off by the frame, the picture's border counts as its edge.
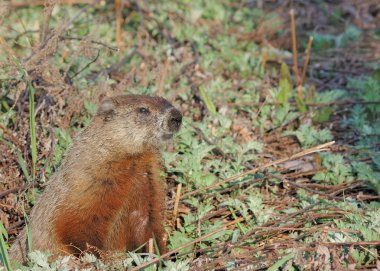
(330, 196)
(161, 85)
(9, 133)
(29, 3)
(217, 150)
(346, 188)
(341, 102)
(306, 60)
(294, 47)
(85, 67)
(176, 202)
(278, 222)
(62, 29)
(92, 41)
(187, 244)
(370, 243)
(119, 21)
(118, 65)
(295, 156)
(18, 189)
(308, 245)
(367, 197)
(264, 58)
(305, 229)
(241, 185)
(15, 225)
(150, 246)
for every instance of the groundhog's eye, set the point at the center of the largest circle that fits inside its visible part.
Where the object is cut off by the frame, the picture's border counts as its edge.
(143, 110)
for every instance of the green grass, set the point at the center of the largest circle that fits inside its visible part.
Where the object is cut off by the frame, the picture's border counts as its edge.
(32, 128)
(238, 115)
(4, 257)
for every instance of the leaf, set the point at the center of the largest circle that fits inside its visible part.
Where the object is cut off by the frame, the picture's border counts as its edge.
(281, 262)
(178, 239)
(285, 85)
(208, 179)
(285, 73)
(177, 265)
(22, 163)
(206, 99)
(308, 136)
(350, 35)
(323, 115)
(90, 108)
(32, 128)
(300, 104)
(29, 236)
(41, 259)
(322, 42)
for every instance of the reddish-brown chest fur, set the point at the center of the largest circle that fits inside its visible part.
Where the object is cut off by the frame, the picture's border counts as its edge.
(119, 208)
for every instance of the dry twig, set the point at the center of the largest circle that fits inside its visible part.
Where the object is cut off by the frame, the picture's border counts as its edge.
(176, 202)
(306, 61)
(199, 239)
(319, 148)
(294, 47)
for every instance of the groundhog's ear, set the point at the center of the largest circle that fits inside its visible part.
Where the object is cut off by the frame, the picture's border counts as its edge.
(107, 109)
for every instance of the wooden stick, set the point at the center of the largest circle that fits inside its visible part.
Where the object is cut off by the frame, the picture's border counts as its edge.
(340, 102)
(176, 202)
(318, 148)
(151, 246)
(161, 85)
(119, 21)
(294, 47)
(14, 4)
(264, 58)
(306, 60)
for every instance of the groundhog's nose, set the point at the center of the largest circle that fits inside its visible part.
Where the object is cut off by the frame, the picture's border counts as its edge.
(175, 120)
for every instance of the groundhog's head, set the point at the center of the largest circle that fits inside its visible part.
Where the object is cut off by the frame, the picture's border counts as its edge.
(139, 122)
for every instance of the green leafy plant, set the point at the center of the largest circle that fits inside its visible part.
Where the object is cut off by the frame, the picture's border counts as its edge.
(308, 136)
(336, 170)
(4, 257)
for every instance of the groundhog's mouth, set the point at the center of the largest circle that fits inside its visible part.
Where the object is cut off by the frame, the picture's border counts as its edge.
(167, 136)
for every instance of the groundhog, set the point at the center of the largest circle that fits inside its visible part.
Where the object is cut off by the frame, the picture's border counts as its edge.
(108, 192)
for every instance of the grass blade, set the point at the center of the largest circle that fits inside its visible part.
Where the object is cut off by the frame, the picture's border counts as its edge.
(206, 99)
(22, 163)
(32, 127)
(281, 262)
(4, 256)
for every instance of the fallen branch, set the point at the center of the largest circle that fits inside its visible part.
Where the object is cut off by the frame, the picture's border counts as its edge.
(341, 102)
(301, 186)
(141, 266)
(118, 65)
(29, 3)
(91, 41)
(18, 189)
(280, 161)
(85, 67)
(294, 48)
(176, 202)
(306, 61)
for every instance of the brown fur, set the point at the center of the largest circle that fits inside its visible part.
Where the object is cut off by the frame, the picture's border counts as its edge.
(108, 192)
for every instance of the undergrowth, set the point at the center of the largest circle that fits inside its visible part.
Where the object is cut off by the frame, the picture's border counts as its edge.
(218, 62)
